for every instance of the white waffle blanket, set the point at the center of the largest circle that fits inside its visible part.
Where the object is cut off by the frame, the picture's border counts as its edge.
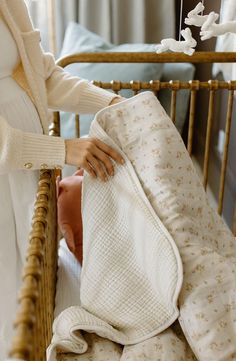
(132, 272)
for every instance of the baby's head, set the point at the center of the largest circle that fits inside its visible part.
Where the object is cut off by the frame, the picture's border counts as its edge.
(69, 212)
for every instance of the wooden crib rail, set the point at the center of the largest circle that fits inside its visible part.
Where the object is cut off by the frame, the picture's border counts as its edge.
(34, 319)
(142, 57)
(36, 300)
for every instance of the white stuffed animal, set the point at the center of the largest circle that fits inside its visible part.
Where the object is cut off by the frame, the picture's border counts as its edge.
(186, 46)
(193, 17)
(210, 28)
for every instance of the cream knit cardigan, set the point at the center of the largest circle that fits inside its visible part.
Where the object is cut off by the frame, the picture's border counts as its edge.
(49, 87)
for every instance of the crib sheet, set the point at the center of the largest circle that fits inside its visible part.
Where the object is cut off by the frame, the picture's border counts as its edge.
(68, 279)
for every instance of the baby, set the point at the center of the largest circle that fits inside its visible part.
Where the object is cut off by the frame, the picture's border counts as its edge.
(69, 212)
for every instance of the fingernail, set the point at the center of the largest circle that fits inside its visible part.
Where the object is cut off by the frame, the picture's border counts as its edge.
(122, 161)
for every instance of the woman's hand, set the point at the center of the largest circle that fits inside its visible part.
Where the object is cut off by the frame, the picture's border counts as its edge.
(92, 155)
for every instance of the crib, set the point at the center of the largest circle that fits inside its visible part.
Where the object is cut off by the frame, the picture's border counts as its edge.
(33, 322)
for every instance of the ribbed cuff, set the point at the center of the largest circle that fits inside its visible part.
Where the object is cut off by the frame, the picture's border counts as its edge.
(95, 98)
(42, 151)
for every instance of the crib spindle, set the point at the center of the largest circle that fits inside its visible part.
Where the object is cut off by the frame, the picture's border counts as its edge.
(155, 86)
(175, 85)
(77, 125)
(36, 299)
(135, 86)
(226, 148)
(116, 86)
(213, 84)
(194, 84)
(54, 128)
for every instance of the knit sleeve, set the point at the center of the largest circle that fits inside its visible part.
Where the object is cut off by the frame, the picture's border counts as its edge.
(73, 94)
(22, 150)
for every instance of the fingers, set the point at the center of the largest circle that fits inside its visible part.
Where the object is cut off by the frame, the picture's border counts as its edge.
(109, 151)
(89, 169)
(99, 159)
(92, 155)
(98, 168)
(105, 160)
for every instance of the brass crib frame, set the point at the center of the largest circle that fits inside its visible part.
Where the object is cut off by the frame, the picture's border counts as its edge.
(33, 325)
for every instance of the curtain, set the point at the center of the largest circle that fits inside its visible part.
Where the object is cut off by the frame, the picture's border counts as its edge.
(118, 21)
(39, 13)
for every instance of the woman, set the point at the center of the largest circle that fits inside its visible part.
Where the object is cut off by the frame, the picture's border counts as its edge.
(30, 83)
